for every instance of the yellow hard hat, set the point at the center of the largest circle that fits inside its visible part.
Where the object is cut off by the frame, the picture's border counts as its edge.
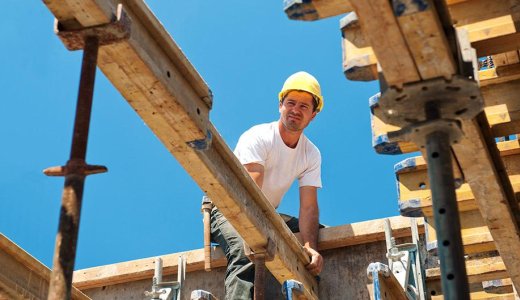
(303, 81)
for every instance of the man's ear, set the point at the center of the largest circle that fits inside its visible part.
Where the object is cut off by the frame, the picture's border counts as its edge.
(314, 113)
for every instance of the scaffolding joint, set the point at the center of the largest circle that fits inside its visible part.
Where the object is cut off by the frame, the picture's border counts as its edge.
(116, 31)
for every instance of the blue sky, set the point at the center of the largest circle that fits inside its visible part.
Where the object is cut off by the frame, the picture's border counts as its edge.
(146, 205)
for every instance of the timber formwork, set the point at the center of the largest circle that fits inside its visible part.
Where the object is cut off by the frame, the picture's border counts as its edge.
(416, 46)
(157, 80)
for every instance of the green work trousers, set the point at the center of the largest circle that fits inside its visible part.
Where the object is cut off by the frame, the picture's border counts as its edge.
(240, 272)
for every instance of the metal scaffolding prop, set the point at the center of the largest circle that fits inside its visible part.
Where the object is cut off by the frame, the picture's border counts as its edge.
(76, 169)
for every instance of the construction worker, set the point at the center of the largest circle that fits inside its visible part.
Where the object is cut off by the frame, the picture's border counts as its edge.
(275, 154)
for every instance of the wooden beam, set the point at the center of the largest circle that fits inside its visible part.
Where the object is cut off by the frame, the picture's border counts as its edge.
(389, 45)
(474, 11)
(329, 238)
(425, 38)
(477, 290)
(158, 81)
(478, 270)
(475, 234)
(24, 277)
(484, 171)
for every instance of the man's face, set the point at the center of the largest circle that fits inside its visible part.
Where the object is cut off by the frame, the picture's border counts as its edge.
(296, 110)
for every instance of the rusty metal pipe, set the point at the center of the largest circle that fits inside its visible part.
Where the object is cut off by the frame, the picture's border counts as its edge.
(75, 172)
(259, 289)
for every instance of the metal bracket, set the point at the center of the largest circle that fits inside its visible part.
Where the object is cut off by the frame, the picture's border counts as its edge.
(418, 132)
(291, 288)
(113, 32)
(458, 98)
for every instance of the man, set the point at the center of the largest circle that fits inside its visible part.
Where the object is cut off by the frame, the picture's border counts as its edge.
(275, 154)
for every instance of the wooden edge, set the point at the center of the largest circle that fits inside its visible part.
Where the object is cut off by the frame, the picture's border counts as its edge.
(29, 271)
(330, 238)
(312, 10)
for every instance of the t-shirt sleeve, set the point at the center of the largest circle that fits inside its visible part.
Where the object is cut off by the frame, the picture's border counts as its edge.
(251, 148)
(312, 175)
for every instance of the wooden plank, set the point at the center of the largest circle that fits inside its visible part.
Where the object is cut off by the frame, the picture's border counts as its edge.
(413, 182)
(329, 238)
(487, 177)
(425, 38)
(475, 234)
(343, 277)
(389, 45)
(24, 277)
(157, 80)
(315, 9)
(478, 270)
(475, 11)
(498, 45)
(476, 292)
(504, 74)
(389, 287)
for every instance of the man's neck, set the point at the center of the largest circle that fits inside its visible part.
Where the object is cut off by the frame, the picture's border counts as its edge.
(290, 138)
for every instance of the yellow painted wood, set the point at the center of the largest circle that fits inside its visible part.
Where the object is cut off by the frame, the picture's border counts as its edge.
(478, 270)
(359, 60)
(475, 234)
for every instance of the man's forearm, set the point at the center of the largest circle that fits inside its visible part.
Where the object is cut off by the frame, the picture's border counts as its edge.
(309, 226)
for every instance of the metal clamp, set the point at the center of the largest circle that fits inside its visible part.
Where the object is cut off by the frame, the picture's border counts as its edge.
(458, 98)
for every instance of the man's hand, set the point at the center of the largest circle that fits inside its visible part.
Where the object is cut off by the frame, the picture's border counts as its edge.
(316, 261)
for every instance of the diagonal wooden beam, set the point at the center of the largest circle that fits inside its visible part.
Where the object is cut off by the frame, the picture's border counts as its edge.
(158, 81)
(484, 171)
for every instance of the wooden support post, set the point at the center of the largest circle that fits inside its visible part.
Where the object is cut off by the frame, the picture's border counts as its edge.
(162, 86)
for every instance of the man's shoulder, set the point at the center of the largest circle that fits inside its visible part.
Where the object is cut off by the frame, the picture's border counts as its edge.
(310, 147)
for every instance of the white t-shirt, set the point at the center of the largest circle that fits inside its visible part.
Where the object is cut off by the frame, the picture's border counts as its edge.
(263, 144)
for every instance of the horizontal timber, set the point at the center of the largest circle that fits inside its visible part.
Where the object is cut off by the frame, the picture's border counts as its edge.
(330, 238)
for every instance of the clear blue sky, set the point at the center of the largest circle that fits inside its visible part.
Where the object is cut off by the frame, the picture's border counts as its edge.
(146, 205)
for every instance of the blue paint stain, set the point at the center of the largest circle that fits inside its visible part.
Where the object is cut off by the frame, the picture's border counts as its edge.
(422, 5)
(400, 8)
(202, 144)
(377, 289)
(382, 145)
(410, 208)
(407, 164)
(374, 100)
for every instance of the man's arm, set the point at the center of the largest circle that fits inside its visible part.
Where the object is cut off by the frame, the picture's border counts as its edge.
(309, 226)
(256, 171)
